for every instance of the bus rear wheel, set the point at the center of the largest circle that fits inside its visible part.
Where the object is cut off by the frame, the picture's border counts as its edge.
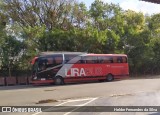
(58, 80)
(109, 77)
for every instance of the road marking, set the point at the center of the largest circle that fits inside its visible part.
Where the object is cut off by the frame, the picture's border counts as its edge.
(61, 103)
(74, 100)
(37, 113)
(68, 101)
(80, 106)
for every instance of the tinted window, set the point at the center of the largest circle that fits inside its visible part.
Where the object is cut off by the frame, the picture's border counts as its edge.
(89, 59)
(58, 59)
(42, 64)
(105, 59)
(80, 61)
(120, 59)
(49, 61)
(124, 59)
(68, 57)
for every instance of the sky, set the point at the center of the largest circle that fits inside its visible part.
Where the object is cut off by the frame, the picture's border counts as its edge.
(135, 5)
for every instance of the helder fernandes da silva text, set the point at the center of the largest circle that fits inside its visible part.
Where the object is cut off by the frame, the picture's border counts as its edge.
(150, 109)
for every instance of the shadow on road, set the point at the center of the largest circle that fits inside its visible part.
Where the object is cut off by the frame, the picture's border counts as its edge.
(15, 87)
(144, 77)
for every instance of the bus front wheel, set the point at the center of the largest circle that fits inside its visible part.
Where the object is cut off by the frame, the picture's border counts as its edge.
(58, 80)
(109, 77)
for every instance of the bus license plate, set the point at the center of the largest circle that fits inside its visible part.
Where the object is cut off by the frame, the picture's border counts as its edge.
(43, 79)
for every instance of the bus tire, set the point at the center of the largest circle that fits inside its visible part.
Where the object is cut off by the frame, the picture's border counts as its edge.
(109, 77)
(58, 80)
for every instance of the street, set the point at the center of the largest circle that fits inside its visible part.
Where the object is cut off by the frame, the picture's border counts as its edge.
(131, 92)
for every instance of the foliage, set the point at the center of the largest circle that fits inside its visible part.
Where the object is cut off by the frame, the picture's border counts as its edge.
(28, 27)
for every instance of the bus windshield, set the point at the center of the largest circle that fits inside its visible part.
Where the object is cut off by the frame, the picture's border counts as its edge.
(42, 63)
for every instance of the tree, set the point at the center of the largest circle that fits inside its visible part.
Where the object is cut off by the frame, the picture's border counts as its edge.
(67, 25)
(154, 29)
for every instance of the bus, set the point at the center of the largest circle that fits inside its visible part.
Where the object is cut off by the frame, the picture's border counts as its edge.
(66, 67)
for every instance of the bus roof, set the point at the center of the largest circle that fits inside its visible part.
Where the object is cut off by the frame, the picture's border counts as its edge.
(59, 52)
(107, 55)
(85, 53)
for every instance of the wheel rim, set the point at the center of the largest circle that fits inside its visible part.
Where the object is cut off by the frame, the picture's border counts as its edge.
(109, 78)
(58, 81)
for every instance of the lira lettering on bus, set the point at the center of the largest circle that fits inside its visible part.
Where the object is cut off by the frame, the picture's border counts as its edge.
(75, 72)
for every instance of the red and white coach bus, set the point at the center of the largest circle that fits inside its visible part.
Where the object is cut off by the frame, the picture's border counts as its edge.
(63, 67)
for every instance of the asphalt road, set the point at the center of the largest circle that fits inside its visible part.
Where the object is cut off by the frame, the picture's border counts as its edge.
(135, 92)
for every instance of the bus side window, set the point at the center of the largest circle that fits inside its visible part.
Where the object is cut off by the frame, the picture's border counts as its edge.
(50, 62)
(79, 62)
(111, 60)
(119, 60)
(100, 60)
(58, 60)
(90, 59)
(124, 59)
(114, 59)
(69, 57)
(105, 59)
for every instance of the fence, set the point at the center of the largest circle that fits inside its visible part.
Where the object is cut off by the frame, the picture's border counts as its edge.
(21, 80)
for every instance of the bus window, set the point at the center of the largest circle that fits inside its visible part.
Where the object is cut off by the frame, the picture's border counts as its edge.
(42, 64)
(49, 61)
(114, 59)
(58, 60)
(124, 59)
(79, 61)
(105, 59)
(90, 59)
(119, 60)
(68, 57)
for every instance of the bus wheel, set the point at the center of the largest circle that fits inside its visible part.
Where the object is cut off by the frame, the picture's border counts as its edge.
(58, 80)
(109, 77)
